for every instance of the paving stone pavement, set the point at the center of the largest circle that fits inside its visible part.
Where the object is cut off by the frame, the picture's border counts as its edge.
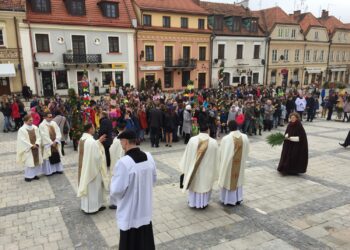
(310, 211)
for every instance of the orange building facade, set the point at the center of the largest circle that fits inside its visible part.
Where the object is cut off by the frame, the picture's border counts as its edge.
(173, 44)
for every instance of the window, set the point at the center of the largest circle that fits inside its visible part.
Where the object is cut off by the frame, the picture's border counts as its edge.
(201, 24)
(150, 53)
(296, 55)
(166, 21)
(286, 33)
(168, 79)
(236, 24)
(286, 55)
(202, 53)
(273, 77)
(338, 56)
(110, 10)
(42, 43)
(113, 44)
(186, 76)
(321, 55)
(316, 35)
(239, 51)
(61, 79)
(147, 20)
(254, 26)
(343, 56)
(218, 23)
(255, 78)
(184, 22)
(41, 6)
(76, 7)
(2, 43)
(293, 33)
(332, 56)
(274, 55)
(307, 55)
(221, 51)
(168, 55)
(280, 32)
(106, 78)
(315, 56)
(256, 51)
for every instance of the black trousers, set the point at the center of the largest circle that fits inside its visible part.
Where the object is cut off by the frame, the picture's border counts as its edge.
(187, 138)
(154, 134)
(310, 114)
(137, 238)
(108, 157)
(301, 114)
(267, 125)
(347, 140)
(330, 112)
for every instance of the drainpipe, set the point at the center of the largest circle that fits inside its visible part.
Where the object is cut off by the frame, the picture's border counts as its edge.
(212, 36)
(303, 69)
(267, 59)
(31, 47)
(18, 50)
(328, 59)
(137, 59)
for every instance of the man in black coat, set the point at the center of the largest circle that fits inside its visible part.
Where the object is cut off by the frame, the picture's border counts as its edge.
(106, 128)
(310, 106)
(155, 123)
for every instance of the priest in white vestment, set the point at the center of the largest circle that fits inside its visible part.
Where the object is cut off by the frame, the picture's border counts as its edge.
(132, 188)
(116, 152)
(28, 149)
(233, 153)
(51, 146)
(92, 172)
(199, 165)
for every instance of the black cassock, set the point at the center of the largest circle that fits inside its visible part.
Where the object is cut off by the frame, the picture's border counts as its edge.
(295, 155)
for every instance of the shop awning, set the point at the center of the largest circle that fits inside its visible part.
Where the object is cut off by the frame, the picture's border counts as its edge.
(338, 69)
(314, 71)
(111, 70)
(7, 70)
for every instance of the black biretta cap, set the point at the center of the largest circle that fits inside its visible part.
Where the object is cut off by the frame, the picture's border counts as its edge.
(127, 134)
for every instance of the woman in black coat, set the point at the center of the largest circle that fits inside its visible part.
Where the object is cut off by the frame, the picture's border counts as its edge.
(295, 153)
(170, 124)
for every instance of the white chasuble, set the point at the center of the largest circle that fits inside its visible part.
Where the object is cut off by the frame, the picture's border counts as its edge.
(199, 167)
(233, 155)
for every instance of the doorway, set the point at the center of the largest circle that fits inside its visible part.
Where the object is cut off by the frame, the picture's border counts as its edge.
(119, 78)
(46, 79)
(80, 78)
(201, 80)
(186, 75)
(5, 86)
(150, 80)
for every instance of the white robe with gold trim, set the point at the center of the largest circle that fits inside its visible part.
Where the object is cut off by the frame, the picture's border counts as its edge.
(93, 179)
(226, 154)
(24, 156)
(202, 183)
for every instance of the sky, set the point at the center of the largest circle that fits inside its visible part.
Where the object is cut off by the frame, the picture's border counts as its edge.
(337, 8)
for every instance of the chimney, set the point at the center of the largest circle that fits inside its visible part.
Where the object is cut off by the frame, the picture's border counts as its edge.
(198, 2)
(324, 13)
(297, 12)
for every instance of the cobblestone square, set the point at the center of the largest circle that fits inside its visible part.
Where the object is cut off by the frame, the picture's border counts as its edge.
(310, 211)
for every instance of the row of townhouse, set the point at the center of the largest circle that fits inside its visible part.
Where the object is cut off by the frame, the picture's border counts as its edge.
(51, 45)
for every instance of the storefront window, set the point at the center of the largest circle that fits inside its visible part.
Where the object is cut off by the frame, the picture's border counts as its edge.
(61, 79)
(106, 78)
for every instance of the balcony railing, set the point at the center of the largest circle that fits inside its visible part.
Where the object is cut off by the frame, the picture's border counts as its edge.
(82, 58)
(181, 64)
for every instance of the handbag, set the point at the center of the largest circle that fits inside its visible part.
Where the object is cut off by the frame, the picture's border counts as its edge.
(55, 157)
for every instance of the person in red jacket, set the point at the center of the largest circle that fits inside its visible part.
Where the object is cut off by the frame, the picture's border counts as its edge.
(143, 122)
(35, 116)
(16, 116)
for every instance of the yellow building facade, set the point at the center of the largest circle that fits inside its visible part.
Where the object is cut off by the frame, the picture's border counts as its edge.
(11, 62)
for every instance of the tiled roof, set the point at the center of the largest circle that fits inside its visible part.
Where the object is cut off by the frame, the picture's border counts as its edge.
(13, 5)
(306, 20)
(225, 9)
(93, 17)
(173, 29)
(230, 10)
(177, 6)
(332, 23)
(269, 17)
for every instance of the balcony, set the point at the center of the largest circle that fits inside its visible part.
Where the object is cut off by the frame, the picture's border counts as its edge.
(181, 64)
(82, 58)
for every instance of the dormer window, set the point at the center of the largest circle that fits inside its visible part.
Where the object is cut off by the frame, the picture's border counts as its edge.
(76, 7)
(217, 22)
(43, 6)
(251, 24)
(109, 9)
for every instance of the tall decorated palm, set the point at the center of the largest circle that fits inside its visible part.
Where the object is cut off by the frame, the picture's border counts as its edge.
(75, 117)
(220, 95)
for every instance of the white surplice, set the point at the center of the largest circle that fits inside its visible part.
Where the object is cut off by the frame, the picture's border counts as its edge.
(46, 143)
(93, 178)
(132, 189)
(202, 183)
(226, 154)
(116, 152)
(24, 156)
